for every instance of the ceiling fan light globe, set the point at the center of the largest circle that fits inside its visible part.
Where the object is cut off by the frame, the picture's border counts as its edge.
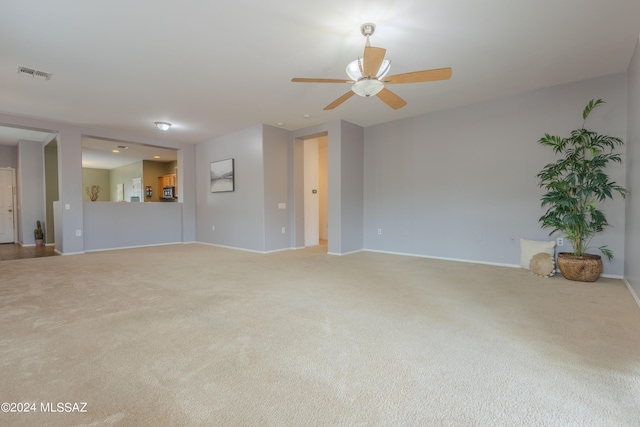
(353, 70)
(367, 87)
(355, 73)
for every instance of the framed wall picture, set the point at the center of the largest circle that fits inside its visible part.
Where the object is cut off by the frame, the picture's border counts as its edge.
(222, 178)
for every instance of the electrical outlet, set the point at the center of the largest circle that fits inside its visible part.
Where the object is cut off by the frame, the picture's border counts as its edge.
(284, 230)
(560, 241)
(78, 233)
(379, 231)
(213, 228)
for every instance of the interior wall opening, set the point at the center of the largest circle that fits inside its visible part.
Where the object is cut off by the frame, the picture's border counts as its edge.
(316, 200)
(123, 171)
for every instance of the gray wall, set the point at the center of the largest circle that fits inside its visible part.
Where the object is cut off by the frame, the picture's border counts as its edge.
(125, 175)
(461, 183)
(112, 225)
(8, 156)
(238, 216)
(632, 253)
(51, 187)
(276, 187)
(351, 186)
(30, 183)
(345, 169)
(71, 216)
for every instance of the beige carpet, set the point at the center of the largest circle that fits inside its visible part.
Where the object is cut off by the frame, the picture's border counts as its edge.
(197, 335)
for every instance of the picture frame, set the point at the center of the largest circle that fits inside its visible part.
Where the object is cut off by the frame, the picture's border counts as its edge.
(222, 176)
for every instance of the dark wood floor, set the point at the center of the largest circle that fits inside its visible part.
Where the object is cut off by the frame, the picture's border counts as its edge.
(9, 251)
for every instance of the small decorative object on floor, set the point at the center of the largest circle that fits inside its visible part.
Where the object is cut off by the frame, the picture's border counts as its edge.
(93, 191)
(528, 248)
(542, 264)
(38, 234)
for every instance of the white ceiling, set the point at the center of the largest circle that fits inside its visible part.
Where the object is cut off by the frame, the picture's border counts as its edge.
(99, 153)
(212, 68)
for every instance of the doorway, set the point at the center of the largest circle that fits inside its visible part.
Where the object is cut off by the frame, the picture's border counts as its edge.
(316, 201)
(7, 205)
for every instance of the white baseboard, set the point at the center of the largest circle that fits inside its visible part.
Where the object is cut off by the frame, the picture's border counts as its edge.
(635, 296)
(232, 247)
(132, 247)
(345, 253)
(471, 261)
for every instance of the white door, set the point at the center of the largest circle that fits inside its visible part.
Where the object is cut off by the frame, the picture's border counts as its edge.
(6, 206)
(311, 200)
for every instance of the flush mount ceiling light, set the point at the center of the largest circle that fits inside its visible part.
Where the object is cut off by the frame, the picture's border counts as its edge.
(163, 125)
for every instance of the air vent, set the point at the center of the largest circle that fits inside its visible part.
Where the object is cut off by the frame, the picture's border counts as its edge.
(36, 74)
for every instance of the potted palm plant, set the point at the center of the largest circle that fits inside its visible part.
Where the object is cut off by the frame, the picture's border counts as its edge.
(576, 185)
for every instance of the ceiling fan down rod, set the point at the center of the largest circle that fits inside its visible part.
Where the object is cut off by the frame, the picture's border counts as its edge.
(367, 29)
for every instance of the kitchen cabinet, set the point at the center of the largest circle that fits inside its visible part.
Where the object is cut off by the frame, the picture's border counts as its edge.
(169, 180)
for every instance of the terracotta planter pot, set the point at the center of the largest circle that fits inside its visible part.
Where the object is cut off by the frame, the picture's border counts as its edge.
(39, 242)
(586, 268)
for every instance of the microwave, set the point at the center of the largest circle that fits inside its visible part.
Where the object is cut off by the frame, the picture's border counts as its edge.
(169, 193)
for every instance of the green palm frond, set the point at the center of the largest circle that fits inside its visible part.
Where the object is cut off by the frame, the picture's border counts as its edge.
(577, 183)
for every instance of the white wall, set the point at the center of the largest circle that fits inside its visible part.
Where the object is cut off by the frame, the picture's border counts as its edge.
(460, 183)
(632, 253)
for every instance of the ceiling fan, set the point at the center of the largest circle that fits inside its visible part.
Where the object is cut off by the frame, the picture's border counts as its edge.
(368, 75)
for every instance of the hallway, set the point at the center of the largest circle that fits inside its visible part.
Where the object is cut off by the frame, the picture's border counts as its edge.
(12, 251)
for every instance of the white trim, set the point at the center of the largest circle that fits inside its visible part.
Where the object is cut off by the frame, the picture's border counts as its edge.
(498, 264)
(633, 293)
(131, 247)
(612, 276)
(273, 251)
(345, 253)
(244, 249)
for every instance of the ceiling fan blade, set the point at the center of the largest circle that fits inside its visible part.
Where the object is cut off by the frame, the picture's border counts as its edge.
(420, 76)
(391, 99)
(372, 60)
(303, 80)
(339, 101)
